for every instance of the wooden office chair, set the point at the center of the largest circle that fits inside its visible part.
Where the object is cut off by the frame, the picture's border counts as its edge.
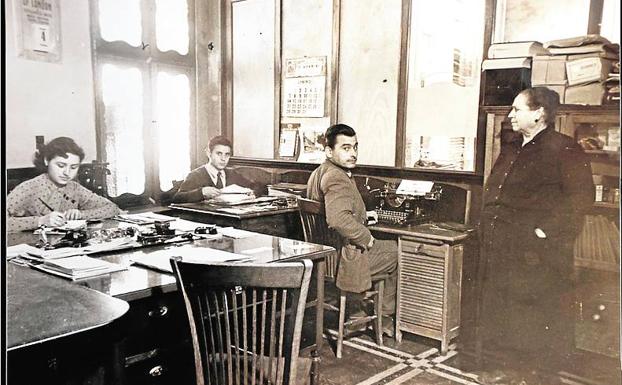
(316, 230)
(245, 319)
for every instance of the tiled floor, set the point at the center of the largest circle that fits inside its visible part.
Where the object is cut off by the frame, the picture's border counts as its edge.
(417, 361)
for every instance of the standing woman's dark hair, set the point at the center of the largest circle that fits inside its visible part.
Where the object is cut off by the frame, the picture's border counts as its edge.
(547, 99)
(60, 146)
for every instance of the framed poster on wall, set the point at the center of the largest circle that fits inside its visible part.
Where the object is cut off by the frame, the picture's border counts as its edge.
(37, 29)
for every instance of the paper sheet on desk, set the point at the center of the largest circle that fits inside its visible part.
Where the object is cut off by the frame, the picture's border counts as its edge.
(21, 250)
(160, 259)
(234, 233)
(414, 187)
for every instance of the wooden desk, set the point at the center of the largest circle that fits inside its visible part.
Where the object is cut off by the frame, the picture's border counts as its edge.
(265, 219)
(157, 347)
(51, 322)
(429, 285)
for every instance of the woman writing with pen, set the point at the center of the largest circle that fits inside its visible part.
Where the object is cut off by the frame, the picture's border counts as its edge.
(53, 197)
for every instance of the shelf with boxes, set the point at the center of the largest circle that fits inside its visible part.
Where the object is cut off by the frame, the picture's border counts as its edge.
(583, 70)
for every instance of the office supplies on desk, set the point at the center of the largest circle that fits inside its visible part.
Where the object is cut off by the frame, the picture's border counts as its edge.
(411, 202)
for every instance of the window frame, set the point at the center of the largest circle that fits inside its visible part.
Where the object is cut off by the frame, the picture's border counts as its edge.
(148, 61)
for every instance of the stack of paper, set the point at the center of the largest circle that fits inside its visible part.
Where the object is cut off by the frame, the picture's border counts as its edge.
(234, 194)
(79, 267)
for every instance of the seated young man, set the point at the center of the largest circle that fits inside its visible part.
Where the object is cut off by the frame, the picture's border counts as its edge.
(205, 182)
(363, 257)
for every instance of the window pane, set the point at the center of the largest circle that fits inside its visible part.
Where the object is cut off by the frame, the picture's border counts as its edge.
(610, 26)
(527, 20)
(173, 109)
(253, 78)
(172, 25)
(120, 20)
(122, 94)
(443, 84)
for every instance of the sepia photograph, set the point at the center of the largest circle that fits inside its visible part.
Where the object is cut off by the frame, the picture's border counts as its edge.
(323, 192)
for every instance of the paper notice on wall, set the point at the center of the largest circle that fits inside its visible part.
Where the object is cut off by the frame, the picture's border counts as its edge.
(306, 66)
(37, 29)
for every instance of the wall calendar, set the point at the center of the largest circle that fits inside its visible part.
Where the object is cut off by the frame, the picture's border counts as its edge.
(304, 87)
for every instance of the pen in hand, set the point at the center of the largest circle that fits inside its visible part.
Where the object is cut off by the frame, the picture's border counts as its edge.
(62, 216)
(46, 205)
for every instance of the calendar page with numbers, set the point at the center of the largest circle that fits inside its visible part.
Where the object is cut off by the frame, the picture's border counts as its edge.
(304, 96)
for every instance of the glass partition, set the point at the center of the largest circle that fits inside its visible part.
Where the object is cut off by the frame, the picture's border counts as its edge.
(443, 84)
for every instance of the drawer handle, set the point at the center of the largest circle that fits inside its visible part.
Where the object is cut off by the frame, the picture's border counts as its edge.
(160, 312)
(596, 317)
(156, 371)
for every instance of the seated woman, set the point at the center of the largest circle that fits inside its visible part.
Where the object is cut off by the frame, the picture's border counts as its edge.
(52, 198)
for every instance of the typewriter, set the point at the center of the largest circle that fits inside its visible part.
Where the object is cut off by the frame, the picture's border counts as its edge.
(405, 208)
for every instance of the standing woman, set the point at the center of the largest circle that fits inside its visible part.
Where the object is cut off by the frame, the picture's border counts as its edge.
(534, 202)
(53, 197)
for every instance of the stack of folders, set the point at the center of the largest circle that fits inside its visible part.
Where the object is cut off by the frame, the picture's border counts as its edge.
(79, 267)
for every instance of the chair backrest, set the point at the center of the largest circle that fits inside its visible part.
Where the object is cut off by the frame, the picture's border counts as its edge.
(245, 319)
(316, 230)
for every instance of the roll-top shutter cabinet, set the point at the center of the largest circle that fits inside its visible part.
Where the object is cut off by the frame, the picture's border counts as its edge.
(429, 288)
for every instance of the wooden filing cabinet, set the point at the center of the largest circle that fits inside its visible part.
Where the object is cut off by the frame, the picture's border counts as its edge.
(429, 286)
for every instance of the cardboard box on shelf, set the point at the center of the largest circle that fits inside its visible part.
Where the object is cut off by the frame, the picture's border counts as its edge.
(589, 94)
(548, 70)
(587, 70)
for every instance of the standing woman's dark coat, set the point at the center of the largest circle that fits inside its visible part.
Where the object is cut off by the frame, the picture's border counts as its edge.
(527, 280)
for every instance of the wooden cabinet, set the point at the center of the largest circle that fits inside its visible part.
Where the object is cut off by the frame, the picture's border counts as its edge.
(429, 285)
(157, 348)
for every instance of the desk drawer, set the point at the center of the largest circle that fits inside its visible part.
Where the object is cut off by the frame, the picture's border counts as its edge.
(158, 321)
(161, 366)
(598, 325)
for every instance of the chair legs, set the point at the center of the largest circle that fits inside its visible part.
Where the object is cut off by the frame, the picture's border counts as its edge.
(377, 317)
(379, 288)
(342, 321)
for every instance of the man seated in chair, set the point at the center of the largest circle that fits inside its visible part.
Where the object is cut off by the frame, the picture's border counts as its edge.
(362, 256)
(207, 181)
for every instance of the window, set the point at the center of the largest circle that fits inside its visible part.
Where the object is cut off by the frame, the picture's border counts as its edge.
(443, 84)
(144, 70)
